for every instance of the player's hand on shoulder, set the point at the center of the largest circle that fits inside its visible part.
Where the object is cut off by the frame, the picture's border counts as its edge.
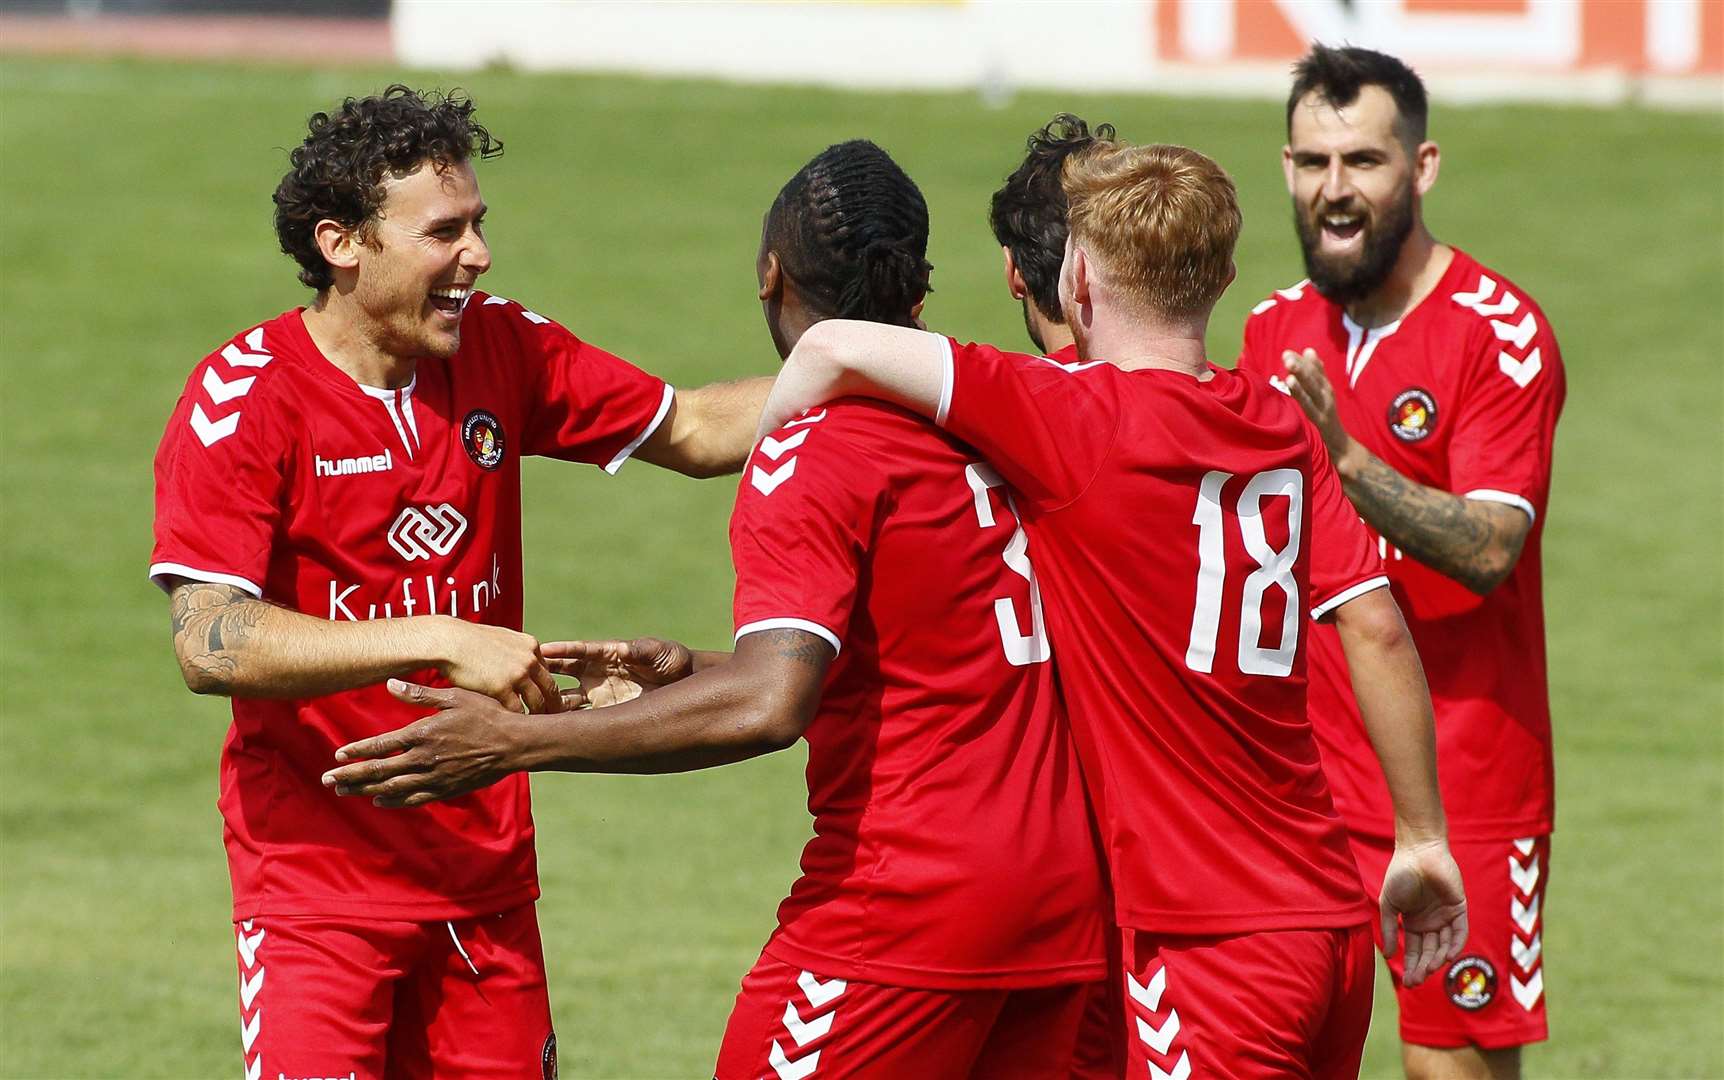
(1422, 892)
(612, 672)
(498, 662)
(469, 743)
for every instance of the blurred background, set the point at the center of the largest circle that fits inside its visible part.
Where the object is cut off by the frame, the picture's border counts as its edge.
(1583, 155)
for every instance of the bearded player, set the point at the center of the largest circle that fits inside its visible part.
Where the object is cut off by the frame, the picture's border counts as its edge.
(338, 502)
(1436, 383)
(949, 921)
(1184, 521)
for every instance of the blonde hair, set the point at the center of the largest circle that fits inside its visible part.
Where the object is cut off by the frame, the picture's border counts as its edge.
(1161, 220)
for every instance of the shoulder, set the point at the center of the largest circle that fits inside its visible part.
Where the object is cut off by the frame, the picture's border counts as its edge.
(245, 380)
(1503, 326)
(1298, 300)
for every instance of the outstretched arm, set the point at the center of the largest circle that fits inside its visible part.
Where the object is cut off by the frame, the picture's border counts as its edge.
(840, 357)
(1475, 542)
(228, 642)
(1423, 885)
(709, 431)
(759, 701)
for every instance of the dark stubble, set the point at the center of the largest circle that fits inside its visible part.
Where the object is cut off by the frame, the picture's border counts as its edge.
(1346, 279)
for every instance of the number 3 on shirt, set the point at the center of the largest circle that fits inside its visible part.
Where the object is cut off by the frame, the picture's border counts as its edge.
(1274, 568)
(1020, 649)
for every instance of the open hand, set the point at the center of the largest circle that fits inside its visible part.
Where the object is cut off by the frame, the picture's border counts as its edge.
(470, 743)
(612, 672)
(1422, 892)
(1308, 384)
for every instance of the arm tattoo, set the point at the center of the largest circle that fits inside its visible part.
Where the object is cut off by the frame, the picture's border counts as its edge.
(1453, 535)
(798, 645)
(211, 623)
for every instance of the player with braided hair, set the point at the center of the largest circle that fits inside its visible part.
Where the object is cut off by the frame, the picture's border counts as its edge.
(949, 921)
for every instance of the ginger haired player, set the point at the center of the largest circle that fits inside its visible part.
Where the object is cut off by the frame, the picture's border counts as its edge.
(950, 920)
(1436, 383)
(1184, 521)
(337, 502)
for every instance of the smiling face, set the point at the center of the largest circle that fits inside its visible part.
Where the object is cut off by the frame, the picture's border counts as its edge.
(418, 258)
(1354, 183)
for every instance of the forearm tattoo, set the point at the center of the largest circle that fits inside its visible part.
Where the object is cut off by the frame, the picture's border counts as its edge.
(212, 623)
(797, 645)
(1453, 535)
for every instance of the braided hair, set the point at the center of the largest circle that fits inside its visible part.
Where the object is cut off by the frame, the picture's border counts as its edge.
(851, 230)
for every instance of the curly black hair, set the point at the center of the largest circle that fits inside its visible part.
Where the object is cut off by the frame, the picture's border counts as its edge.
(852, 229)
(338, 171)
(1028, 214)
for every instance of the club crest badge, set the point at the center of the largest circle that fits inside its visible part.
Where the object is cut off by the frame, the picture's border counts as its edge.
(1471, 982)
(482, 435)
(1413, 416)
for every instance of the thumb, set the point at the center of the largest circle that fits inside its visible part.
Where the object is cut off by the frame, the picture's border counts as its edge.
(1391, 937)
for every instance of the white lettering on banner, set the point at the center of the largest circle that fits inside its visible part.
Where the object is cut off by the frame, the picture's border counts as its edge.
(421, 595)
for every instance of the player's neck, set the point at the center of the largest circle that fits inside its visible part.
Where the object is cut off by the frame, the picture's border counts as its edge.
(1421, 264)
(1134, 344)
(340, 334)
(1051, 337)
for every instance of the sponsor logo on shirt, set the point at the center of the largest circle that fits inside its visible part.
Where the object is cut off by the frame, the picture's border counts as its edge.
(1471, 982)
(419, 595)
(419, 533)
(352, 466)
(482, 435)
(1413, 415)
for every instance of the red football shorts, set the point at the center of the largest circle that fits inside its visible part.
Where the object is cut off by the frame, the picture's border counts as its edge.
(791, 1024)
(377, 1000)
(1493, 995)
(1282, 1004)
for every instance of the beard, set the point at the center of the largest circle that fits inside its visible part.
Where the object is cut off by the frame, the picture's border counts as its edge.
(1344, 279)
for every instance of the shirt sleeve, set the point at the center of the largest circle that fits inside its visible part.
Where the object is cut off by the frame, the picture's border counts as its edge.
(805, 515)
(220, 471)
(1047, 427)
(1505, 426)
(587, 405)
(1344, 561)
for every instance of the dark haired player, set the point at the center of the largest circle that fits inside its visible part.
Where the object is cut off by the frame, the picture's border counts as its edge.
(1437, 384)
(1028, 217)
(338, 502)
(949, 918)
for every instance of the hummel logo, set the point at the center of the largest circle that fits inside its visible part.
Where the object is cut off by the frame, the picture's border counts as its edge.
(348, 466)
(417, 534)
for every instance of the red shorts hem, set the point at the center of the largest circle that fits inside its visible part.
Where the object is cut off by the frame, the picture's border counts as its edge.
(1441, 1039)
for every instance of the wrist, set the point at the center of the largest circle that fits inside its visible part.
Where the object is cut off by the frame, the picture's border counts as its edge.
(1419, 834)
(431, 644)
(1348, 456)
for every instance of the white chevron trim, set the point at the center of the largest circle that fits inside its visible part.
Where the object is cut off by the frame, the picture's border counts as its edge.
(1525, 844)
(1263, 306)
(1521, 371)
(1293, 292)
(792, 1070)
(1525, 878)
(255, 1070)
(777, 448)
(1487, 288)
(1527, 993)
(819, 993)
(489, 300)
(1159, 1038)
(248, 947)
(223, 392)
(234, 355)
(805, 1033)
(815, 418)
(1525, 915)
(248, 989)
(1519, 334)
(210, 432)
(248, 1031)
(1181, 1069)
(768, 482)
(1148, 996)
(1525, 956)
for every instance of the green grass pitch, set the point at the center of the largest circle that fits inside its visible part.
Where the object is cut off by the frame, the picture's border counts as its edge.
(136, 235)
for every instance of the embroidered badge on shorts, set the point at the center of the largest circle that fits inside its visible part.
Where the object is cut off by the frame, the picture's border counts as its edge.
(1471, 982)
(1413, 415)
(482, 435)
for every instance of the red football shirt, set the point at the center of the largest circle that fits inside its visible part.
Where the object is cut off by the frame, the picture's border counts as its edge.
(1172, 522)
(952, 845)
(281, 475)
(1461, 394)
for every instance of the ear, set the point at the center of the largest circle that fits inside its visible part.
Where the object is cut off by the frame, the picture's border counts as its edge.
(1080, 276)
(1232, 274)
(771, 276)
(1426, 161)
(916, 312)
(338, 244)
(1287, 167)
(1014, 279)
